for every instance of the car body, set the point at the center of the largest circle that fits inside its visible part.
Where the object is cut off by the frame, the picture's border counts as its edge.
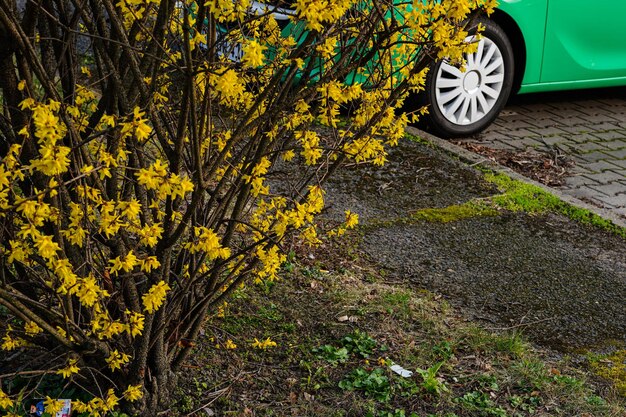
(565, 44)
(551, 45)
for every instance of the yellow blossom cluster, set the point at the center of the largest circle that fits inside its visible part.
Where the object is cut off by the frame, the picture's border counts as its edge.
(5, 401)
(263, 344)
(117, 359)
(97, 407)
(316, 13)
(135, 10)
(70, 369)
(157, 177)
(154, 298)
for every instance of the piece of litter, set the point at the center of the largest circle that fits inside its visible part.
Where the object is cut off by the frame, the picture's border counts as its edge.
(343, 318)
(401, 371)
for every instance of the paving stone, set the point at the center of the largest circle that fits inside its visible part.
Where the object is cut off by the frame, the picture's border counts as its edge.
(512, 111)
(528, 143)
(503, 144)
(590, 157)
(621, 163)
(587, 107)
(611, 135)
(610, 189)
(578, 170)
(543, 123)
(577, 181)
(571, 113)
(615, 144)
(515, 117)
(587, 147)
(611, 101)
(517, 125)
(603, 125)
(553, 140)
(565, 105)
(615, 110)
(581, 137)
(600, 166)
(489, 135)
(572, 122)
(523, 133)
(550, 131)
(536, 108)
(615, 201)
(605, 178)
(585, 194)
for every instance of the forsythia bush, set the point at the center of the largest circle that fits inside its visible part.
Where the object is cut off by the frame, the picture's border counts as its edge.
(140, 142)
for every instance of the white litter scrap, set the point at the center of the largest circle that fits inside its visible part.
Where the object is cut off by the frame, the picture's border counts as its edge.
(405, 373)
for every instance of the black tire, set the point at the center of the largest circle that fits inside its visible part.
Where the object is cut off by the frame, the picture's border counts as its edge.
(437, 122)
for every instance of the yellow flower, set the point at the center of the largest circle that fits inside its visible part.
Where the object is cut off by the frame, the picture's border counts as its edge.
(112, 400)
(288, 155)
(31, 328)
(126, 265)
(5, 401)
(46, 246)
(9, 342)
(52, 406)
(263, 345)
(230, 345)
(253, 54)
(150, 263)
(80, 407)
(70, 369)
(133, 393)
(352, 219)
(135, 323)
(117, 359)
(89, 292)
(153, 300)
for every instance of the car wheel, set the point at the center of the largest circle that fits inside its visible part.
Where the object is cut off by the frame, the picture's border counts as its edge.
(465, 103)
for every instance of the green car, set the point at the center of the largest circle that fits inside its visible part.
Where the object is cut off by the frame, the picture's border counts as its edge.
(529, 46)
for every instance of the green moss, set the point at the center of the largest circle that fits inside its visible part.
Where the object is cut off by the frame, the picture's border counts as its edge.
(520, 196)
(454, 213)
(420, 140)
(516, 196)
(528, 198)
(611, 367)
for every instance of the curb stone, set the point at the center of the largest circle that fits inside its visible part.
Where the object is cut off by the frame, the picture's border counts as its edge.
(475, 159)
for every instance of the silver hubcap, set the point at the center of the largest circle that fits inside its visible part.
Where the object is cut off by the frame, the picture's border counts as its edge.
(466, 97)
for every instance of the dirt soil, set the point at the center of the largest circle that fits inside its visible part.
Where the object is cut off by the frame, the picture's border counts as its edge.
(549, 168)
(562, 283)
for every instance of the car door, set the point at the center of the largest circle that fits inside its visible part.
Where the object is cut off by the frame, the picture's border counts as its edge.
(585, 41)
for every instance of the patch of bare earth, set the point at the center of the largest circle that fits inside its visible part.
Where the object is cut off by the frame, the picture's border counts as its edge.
(549, 168)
